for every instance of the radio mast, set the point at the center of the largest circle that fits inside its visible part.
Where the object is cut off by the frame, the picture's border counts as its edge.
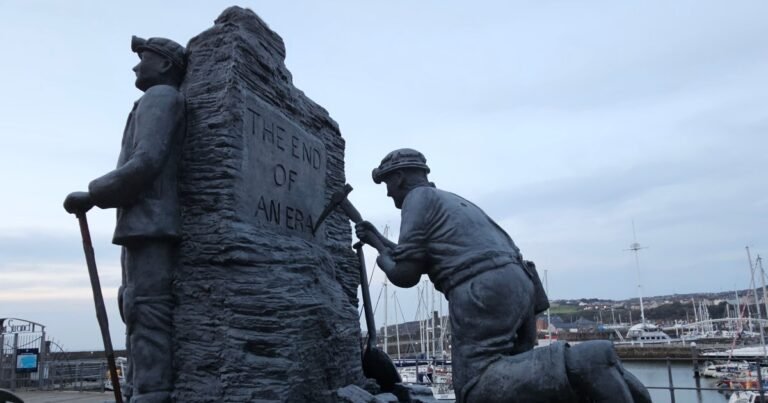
(635, 247)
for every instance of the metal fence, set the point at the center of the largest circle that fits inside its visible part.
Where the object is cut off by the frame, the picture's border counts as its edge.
(11, 344)
(92, 375)
(697, 370)
(80, 376)
(51, 369)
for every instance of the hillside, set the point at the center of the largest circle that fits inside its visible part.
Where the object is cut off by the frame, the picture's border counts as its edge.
(662, 308)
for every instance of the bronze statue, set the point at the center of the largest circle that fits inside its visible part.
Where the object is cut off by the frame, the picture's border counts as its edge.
(143, 189)
(494, 296)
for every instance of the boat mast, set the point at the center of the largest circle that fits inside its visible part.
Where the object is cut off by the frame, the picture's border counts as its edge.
(418, 319)
(739, 323)
(695, 315)
(635, 247)
(432, 315)
(397, 331)
(423, 321)
(386, 301)
(427, 315)
(704, 313)
(757, 301)
(759, 261)
(441, 323)
(549, 319)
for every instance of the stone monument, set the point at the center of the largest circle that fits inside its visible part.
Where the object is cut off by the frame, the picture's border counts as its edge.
(265, 309)
(234, 290)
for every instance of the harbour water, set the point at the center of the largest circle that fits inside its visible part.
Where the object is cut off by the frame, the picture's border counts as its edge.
(651, 373)
(655, 374)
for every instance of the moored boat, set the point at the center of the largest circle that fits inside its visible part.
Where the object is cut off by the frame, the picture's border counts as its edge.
(723, 370)
(646, 333)
(746, 397)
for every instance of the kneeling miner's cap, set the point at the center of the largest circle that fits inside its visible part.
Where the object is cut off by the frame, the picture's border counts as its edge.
(399, 159)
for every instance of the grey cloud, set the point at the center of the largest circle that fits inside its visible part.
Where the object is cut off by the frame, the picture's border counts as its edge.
(44, 247)
(602, 64)
(605, 188)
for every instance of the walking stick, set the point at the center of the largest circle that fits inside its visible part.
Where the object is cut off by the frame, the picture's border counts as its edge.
(98, 300)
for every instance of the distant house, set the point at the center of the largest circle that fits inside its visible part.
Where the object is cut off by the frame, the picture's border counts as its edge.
(596, 306)
(541, 326)
(650, 304)
(734, 302)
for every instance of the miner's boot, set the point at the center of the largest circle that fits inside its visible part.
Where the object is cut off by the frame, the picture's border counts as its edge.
(587, 372)
(595, 373)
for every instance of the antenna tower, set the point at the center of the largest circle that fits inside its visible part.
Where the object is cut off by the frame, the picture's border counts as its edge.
(636, 247)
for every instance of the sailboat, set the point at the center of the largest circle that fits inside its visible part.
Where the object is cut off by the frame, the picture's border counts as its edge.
(551, 334)
(437, 373)
(752, 351)
(432, 365)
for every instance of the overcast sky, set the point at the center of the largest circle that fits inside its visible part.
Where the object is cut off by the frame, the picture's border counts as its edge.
(565, 121)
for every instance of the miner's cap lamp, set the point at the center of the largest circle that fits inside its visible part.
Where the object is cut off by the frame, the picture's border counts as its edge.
(399, 159)
(169, 49)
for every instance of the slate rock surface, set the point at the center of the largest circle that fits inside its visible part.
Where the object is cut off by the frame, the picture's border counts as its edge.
(354, 394)
(264, 310)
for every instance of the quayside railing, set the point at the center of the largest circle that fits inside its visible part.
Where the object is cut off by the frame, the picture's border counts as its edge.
(695, 360)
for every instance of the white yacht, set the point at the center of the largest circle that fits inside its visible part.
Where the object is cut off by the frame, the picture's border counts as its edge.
(647, 333)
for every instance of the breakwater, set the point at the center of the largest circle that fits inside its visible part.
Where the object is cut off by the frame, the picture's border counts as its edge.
(639, 352)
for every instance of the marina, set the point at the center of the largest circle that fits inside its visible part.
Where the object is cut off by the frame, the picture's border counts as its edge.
(666, 358)
(702, 358)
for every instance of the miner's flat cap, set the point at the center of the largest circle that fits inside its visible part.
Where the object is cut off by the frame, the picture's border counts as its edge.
(399, 159)
(162, 46)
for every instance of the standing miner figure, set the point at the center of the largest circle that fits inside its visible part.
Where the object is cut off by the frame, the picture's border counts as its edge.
(143, 189)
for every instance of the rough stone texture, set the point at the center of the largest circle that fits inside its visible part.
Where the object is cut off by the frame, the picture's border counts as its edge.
(386, 398)
(265, 313)
(354, 394)
(419, 393)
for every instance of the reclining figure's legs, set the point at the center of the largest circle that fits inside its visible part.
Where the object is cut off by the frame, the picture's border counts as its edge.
(587, 372)
(595, 371)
